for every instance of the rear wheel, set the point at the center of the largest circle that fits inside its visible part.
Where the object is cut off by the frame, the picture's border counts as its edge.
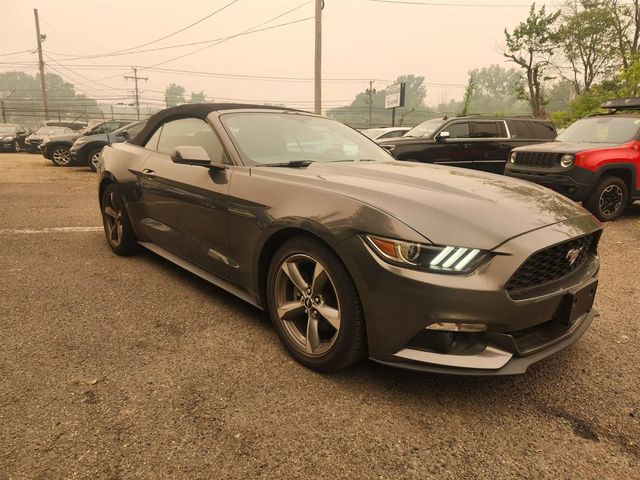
(61, 156)
(608, 199)
(117, 227)
(314, 306)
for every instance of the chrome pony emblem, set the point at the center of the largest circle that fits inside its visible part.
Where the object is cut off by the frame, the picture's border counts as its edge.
(572, 255)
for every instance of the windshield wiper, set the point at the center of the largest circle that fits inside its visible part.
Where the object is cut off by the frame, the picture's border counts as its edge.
(292, 164)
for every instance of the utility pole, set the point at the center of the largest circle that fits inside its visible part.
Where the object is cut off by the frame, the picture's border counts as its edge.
(2, 100)
(318, 63)
(41, 64)
(370, 92)
(135, 79)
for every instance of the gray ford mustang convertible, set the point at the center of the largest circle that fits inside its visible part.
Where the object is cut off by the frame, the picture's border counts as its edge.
(352, 253)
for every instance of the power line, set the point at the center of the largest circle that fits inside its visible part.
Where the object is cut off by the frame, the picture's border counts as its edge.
(442, 4)
(31, 50)
(181, 30)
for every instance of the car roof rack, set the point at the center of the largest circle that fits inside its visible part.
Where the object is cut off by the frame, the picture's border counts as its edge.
(617, 104)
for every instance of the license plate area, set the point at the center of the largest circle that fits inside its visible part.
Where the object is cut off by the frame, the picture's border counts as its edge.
(578, 303)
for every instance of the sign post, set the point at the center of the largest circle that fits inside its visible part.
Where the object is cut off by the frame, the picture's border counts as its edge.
(394, 98)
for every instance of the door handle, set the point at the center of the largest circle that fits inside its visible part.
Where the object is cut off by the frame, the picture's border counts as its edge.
(148, 173)
(466, 145)
(503, 145)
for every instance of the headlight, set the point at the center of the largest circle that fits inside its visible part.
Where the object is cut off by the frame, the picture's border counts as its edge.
(80, 141)
(46, 140)
(512, 157)
(566, 160)
(433, 258)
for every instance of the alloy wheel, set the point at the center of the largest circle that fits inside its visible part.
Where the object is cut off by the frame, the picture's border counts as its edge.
(113, 218)
(94, 159)
(611, 200)
(61, 156)
(307, 304)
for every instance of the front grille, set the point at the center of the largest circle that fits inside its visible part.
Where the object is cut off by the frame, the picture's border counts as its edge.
(537, 159)
(553, 263)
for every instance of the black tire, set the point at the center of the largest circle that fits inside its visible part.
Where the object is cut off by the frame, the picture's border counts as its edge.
(60, 156)
(608, 199)
(90, 156)
(126, 244)
(349, 343)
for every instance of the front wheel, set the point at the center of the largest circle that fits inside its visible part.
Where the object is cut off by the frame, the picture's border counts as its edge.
(314, 306)
(608, 199)
(61, 156)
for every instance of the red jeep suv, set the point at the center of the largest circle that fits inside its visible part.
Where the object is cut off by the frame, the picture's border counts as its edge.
(595, 161)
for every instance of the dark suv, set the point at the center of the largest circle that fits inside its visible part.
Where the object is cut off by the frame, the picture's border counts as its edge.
(12, 137)
(479, 143)
(595, 161)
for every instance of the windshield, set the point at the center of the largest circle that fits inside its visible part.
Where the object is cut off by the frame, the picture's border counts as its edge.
(51, 130)
(133, 129)
(268, 138)
(601, 130)
(4, 129)
(425, 129)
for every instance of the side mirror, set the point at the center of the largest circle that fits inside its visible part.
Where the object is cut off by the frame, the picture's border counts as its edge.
(443, 135)
(191, 155)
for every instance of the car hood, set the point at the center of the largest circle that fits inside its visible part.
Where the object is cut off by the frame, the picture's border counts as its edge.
(448, 206)
(403, 140)
(564, 147)
(65, 137)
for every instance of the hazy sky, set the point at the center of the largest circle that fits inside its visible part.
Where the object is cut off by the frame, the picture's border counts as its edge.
(362, 39)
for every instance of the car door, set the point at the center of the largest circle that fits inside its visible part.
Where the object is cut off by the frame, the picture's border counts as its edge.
(454, 150)
(491, 145)
(185, 206)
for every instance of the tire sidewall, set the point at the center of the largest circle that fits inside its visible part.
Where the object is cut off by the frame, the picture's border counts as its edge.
(351, 322)
(593, 203)
(90, 156)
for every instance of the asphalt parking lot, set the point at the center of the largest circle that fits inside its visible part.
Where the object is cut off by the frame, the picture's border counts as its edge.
(114, 368)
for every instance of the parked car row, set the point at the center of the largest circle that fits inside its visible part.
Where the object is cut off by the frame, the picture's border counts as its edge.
(65, 146)
(595, 161)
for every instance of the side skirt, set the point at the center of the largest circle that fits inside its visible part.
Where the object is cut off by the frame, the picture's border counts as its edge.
(209, 277)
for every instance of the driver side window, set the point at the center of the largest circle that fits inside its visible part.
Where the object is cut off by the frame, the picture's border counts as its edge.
(458, 130)
(190, 132)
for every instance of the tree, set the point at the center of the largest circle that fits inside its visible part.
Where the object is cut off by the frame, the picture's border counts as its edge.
(587, 39)
(626, 28)
(530, 45)
(174, 95)
(200, 97)
(468, 93)
(25, 105)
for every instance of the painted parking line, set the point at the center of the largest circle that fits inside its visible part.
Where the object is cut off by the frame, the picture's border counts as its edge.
(10, 231)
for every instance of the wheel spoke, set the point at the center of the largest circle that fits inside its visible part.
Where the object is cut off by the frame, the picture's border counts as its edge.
(330, 314)
(320, 278)
(111, 212)
(313, 337)
(288, 311)
(119, 229)
(293, 272)
(112, 231)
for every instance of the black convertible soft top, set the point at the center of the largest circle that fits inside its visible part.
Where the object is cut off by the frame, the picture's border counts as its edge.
(196, 110)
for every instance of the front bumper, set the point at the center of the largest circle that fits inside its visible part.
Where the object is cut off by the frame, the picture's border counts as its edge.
(6, 146)
(400, 303)
(576, 183)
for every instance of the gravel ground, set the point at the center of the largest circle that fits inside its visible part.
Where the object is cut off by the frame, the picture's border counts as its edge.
(114, 368)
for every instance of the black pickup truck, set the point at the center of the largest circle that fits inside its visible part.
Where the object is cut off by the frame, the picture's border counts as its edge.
(479, 143)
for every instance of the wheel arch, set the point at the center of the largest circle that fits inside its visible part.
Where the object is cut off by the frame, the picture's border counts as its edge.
(277, 238)
(625, 171)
